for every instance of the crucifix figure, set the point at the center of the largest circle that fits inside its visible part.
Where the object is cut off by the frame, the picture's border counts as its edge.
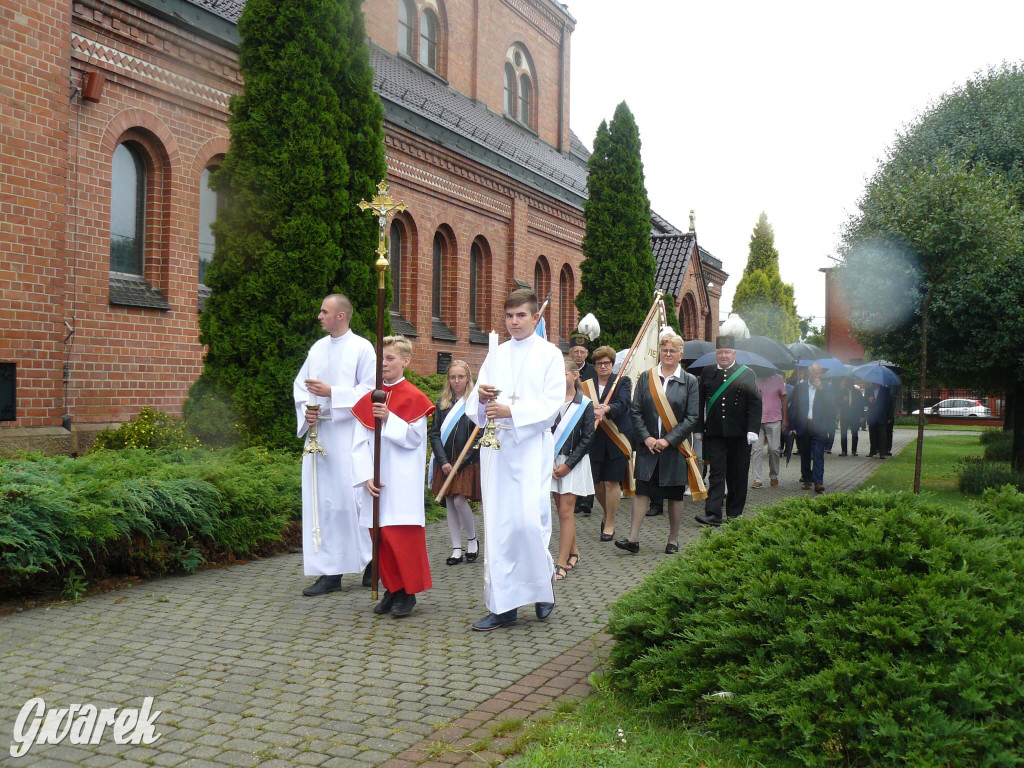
(382, 205)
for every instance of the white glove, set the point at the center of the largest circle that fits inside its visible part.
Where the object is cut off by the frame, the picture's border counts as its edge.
(751, 437)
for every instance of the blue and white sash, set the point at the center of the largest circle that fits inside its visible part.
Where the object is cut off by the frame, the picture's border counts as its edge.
(569, 420)
(451, 420)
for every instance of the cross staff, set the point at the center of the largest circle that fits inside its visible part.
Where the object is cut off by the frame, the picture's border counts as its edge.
(382, 205)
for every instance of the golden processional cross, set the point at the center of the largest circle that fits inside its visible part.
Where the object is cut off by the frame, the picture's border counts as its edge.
(382, 205)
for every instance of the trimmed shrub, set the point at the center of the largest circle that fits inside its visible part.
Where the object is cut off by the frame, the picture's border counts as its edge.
(995, 436)
(908, 421)
(139, 512)
(977, 474)
(430, 385)
(150, 429)
(860, 629)
(998, 448)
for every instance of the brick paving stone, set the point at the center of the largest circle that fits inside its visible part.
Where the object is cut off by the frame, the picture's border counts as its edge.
(236, 657)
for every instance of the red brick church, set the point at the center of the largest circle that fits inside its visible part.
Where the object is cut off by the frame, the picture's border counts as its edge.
(114, 112)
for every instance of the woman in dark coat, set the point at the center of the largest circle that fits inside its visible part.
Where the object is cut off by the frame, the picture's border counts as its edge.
(607, 460)
(660, 465)
(448, 435)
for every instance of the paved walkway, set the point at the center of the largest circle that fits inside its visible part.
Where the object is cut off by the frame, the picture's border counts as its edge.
(248, 672)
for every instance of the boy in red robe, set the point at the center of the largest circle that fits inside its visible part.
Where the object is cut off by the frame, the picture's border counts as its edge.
(402, 563)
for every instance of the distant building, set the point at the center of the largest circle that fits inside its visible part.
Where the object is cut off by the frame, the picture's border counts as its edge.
(115, 115)
(838, 340)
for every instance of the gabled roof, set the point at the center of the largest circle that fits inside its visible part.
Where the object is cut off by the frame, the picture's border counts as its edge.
(226, 9)
(672, 252)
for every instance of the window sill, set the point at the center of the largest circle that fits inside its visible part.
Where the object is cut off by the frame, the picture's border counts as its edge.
(515, 121)
(134, 291)
(441, 332)
(423, 68)
(476, 336)
(400, 325)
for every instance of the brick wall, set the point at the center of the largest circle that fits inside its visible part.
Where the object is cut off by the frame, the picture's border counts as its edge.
(477, 35)
(838, 340)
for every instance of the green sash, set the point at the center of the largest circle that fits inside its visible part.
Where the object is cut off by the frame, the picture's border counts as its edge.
(721, 389)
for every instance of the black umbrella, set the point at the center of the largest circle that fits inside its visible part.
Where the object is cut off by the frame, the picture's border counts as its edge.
(787, 446)
(694, 348)
(803, 351)
(770, 349)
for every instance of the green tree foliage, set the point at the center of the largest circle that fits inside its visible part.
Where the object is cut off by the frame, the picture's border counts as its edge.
(671, 318)
(306, 146)
(764, 302)
(617, 274)
(857, 629)
(978, 124)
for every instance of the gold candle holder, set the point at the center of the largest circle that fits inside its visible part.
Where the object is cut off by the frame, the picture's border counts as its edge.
(489, 439)
(313, 445)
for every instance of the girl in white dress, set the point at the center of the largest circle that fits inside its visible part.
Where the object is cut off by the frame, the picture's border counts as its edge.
(573, 430)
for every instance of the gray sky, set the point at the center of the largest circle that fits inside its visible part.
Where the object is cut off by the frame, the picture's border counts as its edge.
(783, 107)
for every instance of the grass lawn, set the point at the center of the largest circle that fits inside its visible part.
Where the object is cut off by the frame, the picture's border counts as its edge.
(604, 732)
(938, 468)
(946, 427)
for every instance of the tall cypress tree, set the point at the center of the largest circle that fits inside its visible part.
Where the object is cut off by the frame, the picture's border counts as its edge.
(617, 274)
(762, 299)
(306, 145)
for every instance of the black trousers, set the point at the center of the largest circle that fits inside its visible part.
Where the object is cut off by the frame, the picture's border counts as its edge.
(729, 458)
(880, 439)
(849, 426)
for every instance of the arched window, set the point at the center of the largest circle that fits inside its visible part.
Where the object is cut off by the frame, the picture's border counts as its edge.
(208, 210)
(428, 40)
(566, 293)
(474, 283)
(525, 96)
(435, 305)
(395, 257)
(538, 277)
(127, 210)
(510, 90)
(406, 26)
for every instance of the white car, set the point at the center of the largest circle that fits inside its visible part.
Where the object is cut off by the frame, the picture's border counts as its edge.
(957, 406)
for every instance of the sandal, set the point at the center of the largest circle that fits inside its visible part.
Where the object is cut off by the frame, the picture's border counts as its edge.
(560, 572)
(570, 563)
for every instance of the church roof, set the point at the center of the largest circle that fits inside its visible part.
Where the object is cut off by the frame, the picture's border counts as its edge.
(672, 251)
(429, 107)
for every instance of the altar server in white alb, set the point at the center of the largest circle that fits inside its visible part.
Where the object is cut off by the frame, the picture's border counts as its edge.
(339, 369)
(528, 375)
(402, 563)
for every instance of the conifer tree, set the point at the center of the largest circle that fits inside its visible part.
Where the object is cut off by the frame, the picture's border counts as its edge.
(306, 146)
(617, 274)
(762, 299)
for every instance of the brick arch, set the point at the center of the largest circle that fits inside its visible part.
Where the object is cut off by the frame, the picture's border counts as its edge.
(688, 317)
(129, 119)
(449, 272)
(484, 282)
(207, 152)
(408, 268)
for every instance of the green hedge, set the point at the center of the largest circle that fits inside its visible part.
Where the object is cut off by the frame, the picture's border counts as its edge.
(139, 512)
(977, 475)
(859, 629)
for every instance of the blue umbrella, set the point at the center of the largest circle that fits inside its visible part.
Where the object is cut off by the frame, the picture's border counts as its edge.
(742, 357)
(837, 373)
(876, 374)
(828, 363)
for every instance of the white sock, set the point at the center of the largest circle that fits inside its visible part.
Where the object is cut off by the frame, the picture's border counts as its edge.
(471, 546)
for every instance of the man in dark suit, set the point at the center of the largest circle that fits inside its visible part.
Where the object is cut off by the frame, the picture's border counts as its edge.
(730, 411)
(579, 351)
(812, 415)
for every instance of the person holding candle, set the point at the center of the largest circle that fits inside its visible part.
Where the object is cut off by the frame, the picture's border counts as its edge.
(339, 369)
(521, 386)
(402, 562)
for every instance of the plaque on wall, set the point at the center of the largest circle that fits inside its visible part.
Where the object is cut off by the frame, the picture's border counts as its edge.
(8, 399)
(444, 359)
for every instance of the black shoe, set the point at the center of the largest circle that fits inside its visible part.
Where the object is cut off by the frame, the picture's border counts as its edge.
(403, 604)
(323, 585)
(654, 511)
(671, 549)
(368, 576)
(544, 610)
(472, 556)
(607, 536)
(384, 606)
(496, 621)
(707, 520)
(455, 560)
(629, 546)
